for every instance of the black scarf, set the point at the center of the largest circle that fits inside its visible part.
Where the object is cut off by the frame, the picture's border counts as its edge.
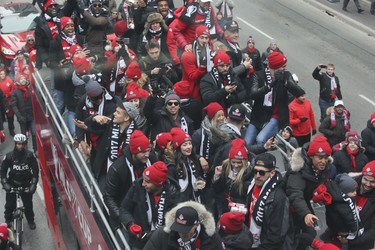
(160, 208)
(155, 33)
(189, 13)
(352, 205)
(204, 149)
(220, 79)
(258, 212)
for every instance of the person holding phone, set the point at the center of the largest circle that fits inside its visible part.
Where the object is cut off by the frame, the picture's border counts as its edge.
(329, 87)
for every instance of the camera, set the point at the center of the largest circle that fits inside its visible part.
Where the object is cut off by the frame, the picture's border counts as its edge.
(237, 207)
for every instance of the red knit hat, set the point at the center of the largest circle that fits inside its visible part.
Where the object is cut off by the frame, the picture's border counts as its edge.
(132, 91)
(369, 169)
(65, 21)
(156, 173)
(4, 231)
(238, 150)
(212, 108)
(82, 65)
(48, 3)
(182, 89)
(138, 142)
(221, 58)
(162, 139)
(201, 30)
(120, 28)
(276, 60)
(179, 136)
(231, 222)
(133, 71)
(319, 146)
(372, 118)
(74, 48)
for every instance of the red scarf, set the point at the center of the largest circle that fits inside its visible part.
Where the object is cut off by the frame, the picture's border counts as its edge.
(352, 155)
(24, 89)
(53, 27)
(251, 50)
(345, 115)
(254, 198)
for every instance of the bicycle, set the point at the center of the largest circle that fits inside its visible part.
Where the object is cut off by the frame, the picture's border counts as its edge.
(18, 214)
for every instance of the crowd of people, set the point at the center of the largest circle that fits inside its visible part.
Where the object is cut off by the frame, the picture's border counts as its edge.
(178, 124)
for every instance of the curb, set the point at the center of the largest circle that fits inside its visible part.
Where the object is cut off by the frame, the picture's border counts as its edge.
(332, 12)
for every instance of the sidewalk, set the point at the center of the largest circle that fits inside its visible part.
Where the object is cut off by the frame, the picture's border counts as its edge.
(364, 21)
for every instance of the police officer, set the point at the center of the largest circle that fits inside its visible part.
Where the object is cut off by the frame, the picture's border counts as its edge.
(19, 169)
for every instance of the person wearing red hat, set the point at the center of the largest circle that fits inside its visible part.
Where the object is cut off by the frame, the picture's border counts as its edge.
(311, 166)
(7, 86)
(164, 148)
(137, 96)
(146, 203)
(229, 180)
(269, 90)
(133, 73)
(187, 170)
(233, 231)
(329, 87)
(124, 171)
(6, 238)
(368, 138)
(221, 84)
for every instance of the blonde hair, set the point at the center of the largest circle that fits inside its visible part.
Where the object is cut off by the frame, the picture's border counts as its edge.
(238, 182)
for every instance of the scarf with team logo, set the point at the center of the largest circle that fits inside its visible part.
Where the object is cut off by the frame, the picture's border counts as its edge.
(160, 207)
(189, 16)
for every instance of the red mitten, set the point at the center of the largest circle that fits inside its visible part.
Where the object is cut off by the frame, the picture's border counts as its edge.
(320, 194)
(136, 230)
(333, 96)
(2, 137)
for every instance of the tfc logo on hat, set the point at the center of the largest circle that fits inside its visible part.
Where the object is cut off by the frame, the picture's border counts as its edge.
(368, 172)
(236, 112)
(181, 220)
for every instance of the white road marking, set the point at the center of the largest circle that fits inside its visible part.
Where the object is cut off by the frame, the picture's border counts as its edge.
(255, 28)
(39, 191)
(367, 99)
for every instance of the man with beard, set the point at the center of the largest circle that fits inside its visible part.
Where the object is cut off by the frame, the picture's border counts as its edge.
(19, 169)
(141, 217)
(124, 171)
(266, 201)
(221, 84)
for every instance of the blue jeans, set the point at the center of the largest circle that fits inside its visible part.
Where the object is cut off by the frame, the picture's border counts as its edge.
(57, 95)
(324, 105)
(70, 116)
(260, 137)
(29, 126)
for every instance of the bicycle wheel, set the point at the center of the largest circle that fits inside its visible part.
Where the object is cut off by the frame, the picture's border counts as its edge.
(18, 231)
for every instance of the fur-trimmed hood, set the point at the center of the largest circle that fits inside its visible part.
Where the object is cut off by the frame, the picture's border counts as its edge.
(205, 217)
(299, 157)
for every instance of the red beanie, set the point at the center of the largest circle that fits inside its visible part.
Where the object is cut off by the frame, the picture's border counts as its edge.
(48, 3)
(133, 71)
(138, 142)
(179, 136)
(65, 21)
(120, 28)
(82, 65)
(201, 30)
(132, 91)
(238, 150)
(276, 60)
(221, 58)
(182, 89)
(231, 222)
(156, 173)
(4, 232)
(212, 108)
(74, 48)
(319, 146)
(369, 169)
(372, 118)
(162, 139)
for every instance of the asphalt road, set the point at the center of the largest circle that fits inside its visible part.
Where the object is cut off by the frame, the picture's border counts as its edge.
(308, 36)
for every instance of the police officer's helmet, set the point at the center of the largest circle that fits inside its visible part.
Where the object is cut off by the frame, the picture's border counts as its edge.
(20, 138)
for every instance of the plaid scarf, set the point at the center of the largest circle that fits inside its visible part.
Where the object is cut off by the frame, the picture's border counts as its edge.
(345, 115)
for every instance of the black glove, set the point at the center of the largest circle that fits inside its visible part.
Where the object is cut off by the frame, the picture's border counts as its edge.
(6, 185)
(314, 132)
(303, 119)
(202, 60)
(305, 238)
(32, 187)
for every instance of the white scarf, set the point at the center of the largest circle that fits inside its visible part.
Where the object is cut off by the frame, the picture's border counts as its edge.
(184, 125)
(267, 102)
(184, 182)
(49, 18)
(333, 82)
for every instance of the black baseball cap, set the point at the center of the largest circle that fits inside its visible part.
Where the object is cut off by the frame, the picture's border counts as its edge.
(233, 26)
(266, 160)
(237, 112)
(186, 218)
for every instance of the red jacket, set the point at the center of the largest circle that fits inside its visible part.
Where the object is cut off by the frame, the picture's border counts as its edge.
(192, 73)
(298, 110)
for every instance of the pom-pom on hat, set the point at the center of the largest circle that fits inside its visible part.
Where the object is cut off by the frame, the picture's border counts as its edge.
(250, 39)
(276, 60)
(133, 71)
(231, 222)
(201, 30)
(238, 150)
(221, 58)
(179, 137)
(156, 173)
(138, 142)
(65, 21)
(319, 146)
(212, 108)
(369, 169)
(346, 183)
(120, 28)
(162, 140)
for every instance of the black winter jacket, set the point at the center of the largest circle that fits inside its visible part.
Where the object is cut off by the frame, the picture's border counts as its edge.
(325, 85)
(21, 107)
(336, 134)
(343, 163)
(368, 140)
(240, 241)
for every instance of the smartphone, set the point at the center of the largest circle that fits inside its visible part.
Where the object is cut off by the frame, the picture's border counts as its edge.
(323, 66)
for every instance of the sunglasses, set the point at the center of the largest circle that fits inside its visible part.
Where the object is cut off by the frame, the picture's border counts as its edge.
(97, 5)
(260, 172)
(173, 103)
(53, 6)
